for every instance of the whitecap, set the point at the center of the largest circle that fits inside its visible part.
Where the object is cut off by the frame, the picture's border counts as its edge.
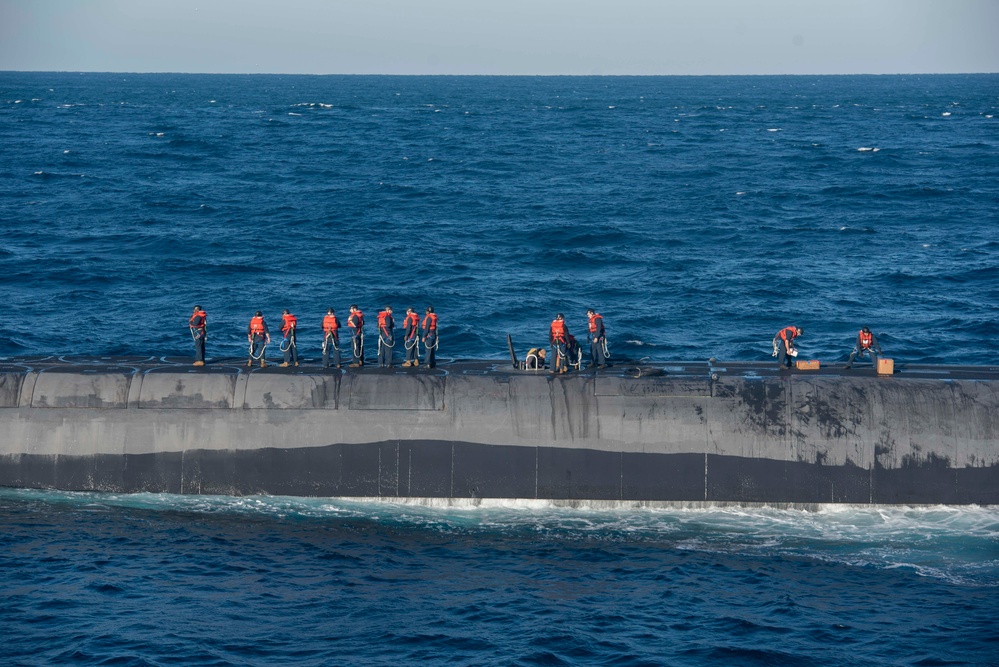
(988, 115)
(739, 194)
(290, 113)
(612, 107)
(773, 129)
(945, 113)
(867, 149)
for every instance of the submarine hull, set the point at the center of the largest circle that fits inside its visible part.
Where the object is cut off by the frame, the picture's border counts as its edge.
(677, 432)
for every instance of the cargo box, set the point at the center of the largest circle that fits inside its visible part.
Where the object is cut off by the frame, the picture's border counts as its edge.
(886, 366)
(812, 365)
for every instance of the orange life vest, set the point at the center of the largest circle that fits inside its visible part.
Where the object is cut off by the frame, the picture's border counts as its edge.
(787, 334)
(204, 319)
(866, 339)
(558, 330)
(430, 322)
(290, 322)
(330, 324)
(358, 317)
(383, 318)
(593, 322)
(412, 320)
(257, 325)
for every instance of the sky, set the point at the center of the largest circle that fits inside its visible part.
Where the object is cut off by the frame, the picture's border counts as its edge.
(574, 37)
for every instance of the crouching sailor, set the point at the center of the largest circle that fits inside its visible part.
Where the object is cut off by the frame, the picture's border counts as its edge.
(535, 360)
(783, 344)
(199, 332)
(386, 337)
(598, 339)
(430, 338)
(411, 337)
(331, 338)
(355, 322)
(259, 336)
(867, 343)
(558, 337)
(289, 346)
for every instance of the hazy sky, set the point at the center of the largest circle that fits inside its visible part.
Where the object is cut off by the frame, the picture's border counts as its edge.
(501, 36)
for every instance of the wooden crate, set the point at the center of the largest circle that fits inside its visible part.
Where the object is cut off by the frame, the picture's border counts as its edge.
(886, 366)
(812, 365)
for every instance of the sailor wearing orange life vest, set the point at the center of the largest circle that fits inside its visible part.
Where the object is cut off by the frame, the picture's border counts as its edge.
(784, 346)
(598, 339)
(430, 338)
(199, 332)
(386, 337)
(411, 337)
(259, 336)
(289, 346)
(355, 322)
(558, 337)
(867, 343)
(331, 338)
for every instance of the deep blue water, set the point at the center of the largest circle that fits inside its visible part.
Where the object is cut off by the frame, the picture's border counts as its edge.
(698, 215)
(157, 580)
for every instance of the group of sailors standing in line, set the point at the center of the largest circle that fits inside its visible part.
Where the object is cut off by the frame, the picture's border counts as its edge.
(565, 350)
(258, 336)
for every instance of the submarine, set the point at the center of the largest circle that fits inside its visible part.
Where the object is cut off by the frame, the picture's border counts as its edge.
(634, 434)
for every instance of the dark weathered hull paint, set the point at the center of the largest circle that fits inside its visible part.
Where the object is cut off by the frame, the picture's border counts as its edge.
(679, 433)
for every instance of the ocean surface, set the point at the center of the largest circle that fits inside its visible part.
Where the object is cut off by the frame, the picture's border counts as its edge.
(697, 214)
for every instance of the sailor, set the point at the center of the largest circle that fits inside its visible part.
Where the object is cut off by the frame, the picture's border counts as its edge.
(259, 336)
(355, 322)
(430, 338)
(867, 343)
(411, 337)
(289, 346)
(535, 360)
(784, 346)
(331, 338)
(598, 339)
(199, 332)
(558, 337)
(386, 337)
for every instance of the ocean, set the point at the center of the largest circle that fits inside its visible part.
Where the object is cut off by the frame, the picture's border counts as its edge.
(698, 214)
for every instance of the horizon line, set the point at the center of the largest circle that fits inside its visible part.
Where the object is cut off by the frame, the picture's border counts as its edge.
(470, 75)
